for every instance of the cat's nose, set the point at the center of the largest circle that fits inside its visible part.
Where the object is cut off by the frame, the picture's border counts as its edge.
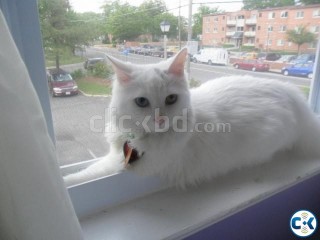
(159, 120)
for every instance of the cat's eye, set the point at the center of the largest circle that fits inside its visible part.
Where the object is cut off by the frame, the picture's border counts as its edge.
(171, 99)
(141, 101)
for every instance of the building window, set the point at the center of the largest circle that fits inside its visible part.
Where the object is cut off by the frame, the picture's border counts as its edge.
(270, 29)
(269, 42)
(315, 29)
(280, 42)
(283, 28)
(241, 17)
(215, 29)
(297, 29)
(272, 15)
(207, 30)
(253, 16)
(284, 14)
(313, 44)
(239, 29)
(316, 13)
(216, 19)
(299, 14)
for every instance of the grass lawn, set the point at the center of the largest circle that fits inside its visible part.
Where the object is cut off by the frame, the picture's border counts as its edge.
(305, 90)
(65, 58)
(94, 86)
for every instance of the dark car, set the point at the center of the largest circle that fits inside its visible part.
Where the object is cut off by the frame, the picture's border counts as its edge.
(304, 58)
(157, 52)
(299, 69)
(61, 83)
(91, 62)
(253, 65)
(268, 56)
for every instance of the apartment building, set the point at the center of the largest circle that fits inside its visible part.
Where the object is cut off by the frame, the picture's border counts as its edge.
(263, 29)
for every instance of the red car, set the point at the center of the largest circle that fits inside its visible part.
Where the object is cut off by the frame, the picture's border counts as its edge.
(253, 65)
(61, 83)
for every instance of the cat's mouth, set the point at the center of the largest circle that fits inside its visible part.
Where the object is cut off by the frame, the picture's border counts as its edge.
(131, 155)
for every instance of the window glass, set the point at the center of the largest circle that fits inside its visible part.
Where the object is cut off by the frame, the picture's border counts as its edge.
(73, 33)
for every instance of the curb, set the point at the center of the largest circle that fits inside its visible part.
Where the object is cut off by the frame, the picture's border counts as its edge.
(91, 95)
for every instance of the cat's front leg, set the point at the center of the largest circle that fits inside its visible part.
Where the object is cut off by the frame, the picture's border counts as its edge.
(110, 164)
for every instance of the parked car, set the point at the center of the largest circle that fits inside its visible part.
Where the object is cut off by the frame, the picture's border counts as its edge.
(91, 62)
(250, 55)
(287, 58)
(268, 56)
(169, 54)
(61, 83)
(253, 65)
(299, 69)
(212, 56)
(304, 58)
(157, 52)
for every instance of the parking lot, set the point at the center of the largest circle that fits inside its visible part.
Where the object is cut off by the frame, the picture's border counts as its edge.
(77, 138)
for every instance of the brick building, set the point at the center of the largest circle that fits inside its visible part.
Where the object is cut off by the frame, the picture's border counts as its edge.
(263, 29)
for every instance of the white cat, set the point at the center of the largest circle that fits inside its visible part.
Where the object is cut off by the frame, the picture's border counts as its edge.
(188, 136)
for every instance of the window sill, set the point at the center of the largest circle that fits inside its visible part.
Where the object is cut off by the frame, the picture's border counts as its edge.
(172, 213)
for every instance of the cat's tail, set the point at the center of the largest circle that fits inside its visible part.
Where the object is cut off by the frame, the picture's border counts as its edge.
(110, 164)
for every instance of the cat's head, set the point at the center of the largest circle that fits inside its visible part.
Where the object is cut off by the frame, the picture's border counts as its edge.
(146, 98)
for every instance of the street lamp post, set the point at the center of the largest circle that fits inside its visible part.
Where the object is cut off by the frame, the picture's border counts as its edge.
(165, 27)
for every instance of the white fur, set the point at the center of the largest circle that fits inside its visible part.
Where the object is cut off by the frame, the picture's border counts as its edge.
(262, 117)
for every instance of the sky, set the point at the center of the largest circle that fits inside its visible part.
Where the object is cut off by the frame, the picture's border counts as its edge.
(172, 5)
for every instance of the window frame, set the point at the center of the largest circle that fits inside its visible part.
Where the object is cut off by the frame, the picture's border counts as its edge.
(271, 15)
(28, 40)
(280, 42)
(299, 14)
(282, 28)
(317, 15)
(284, 14)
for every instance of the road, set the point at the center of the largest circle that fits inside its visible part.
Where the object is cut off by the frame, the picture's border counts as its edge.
(198, 71)
(78, 118)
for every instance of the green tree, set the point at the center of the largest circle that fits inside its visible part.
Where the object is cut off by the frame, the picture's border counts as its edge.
(300, 36)
(150, 11)
(53, 19)
(262, 4)
(198, 19)
(63, 29)
(123, 21)
(308, 2)
(82, 28)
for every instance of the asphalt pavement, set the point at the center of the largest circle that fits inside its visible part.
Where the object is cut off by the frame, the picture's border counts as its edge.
(79, 127)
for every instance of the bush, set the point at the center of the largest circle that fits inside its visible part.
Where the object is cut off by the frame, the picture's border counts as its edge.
(227, 45)
(101, 70)
(77, 74)
(247, 48)
(193, 83)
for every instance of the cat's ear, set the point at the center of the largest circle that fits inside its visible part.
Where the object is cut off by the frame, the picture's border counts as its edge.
(177, 64)
(123, 70)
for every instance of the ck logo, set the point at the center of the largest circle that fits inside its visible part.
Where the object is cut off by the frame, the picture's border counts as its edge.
(303, 223)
